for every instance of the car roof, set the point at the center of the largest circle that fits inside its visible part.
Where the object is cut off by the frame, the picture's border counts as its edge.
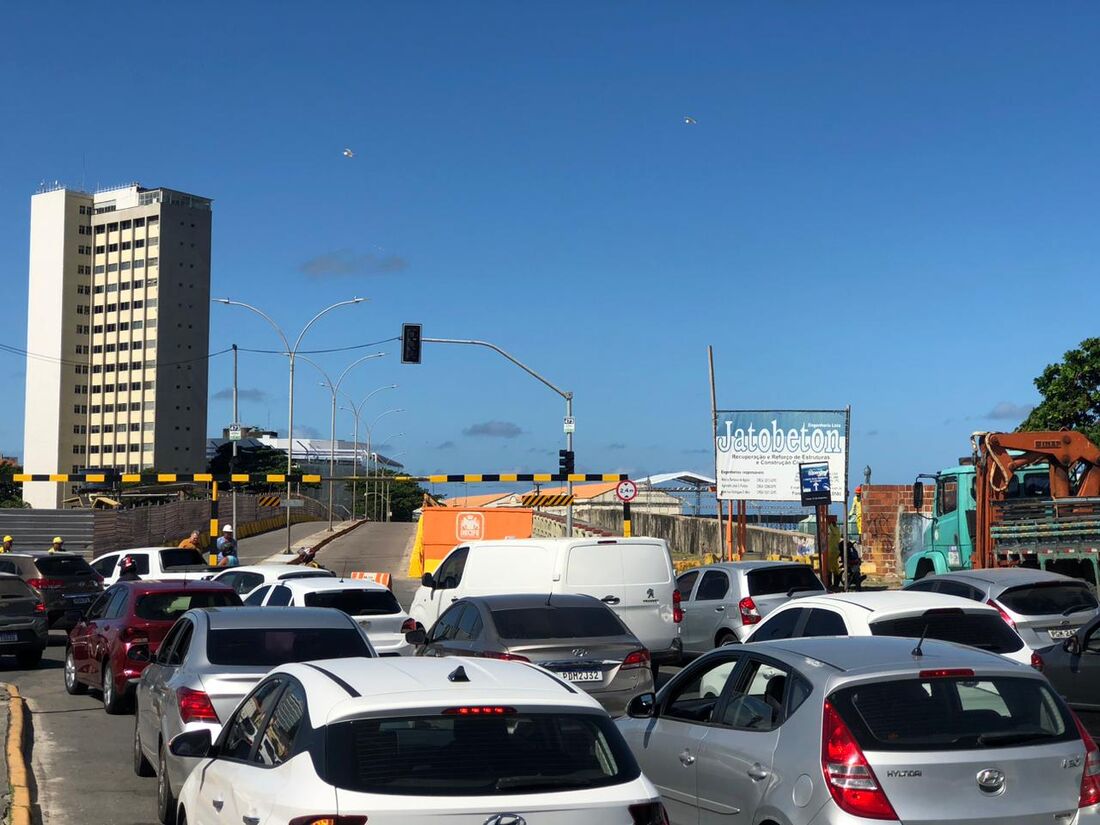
(871, 654)
(1008, 576)
(275, 618)
(175, 586)
(747, 565)
(518, 600)
(139, 550)
(277, 569)
(886, 602)
(347, 688)
(37, 554)
(311, 584)
(564, 542)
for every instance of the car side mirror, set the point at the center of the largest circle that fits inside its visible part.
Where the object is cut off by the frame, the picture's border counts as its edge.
(416, 637)
(195, 744)
(642, 706)
(918, 496)
(139, 653)
(428, 580)
(1072, 646)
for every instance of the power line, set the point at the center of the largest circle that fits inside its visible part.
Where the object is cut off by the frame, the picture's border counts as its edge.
(321, 351)
(67, 362)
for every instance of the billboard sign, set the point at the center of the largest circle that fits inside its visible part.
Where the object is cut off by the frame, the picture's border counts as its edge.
(759, 452)
(814, 483)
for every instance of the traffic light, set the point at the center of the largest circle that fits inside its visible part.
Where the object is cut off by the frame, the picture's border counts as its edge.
(565, 462)
(410, 343)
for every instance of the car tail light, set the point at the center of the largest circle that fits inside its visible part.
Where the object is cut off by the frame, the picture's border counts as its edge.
(328, 819)
(1037, 662)
(1090, 779)
(498, 654)
(408, 625)
(677, 611)
(45, 584)
(195, 706)
(1001, 610)
(947, 673)
(39, 607)
(480, 710)
(649, 813)
(637, 658)
(749, 613)
(849, 777)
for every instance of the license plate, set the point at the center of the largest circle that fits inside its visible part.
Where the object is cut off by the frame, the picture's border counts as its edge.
(582, 675)
(1063, 632)
(82, 600)
(9, 637)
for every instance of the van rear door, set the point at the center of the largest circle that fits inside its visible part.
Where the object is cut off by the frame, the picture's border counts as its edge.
(633, 578)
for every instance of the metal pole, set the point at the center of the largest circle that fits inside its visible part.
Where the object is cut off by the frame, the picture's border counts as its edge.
(569, 483)
(367, 485)
(236, 420)
(332, 459)
(714, 444)
(289, 448)
(844, 549)
(355, 470)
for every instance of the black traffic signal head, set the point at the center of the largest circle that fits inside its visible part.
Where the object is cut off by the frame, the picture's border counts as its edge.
(410, 343)
(565, 462)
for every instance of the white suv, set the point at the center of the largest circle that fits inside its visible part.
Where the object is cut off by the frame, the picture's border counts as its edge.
(415, 742)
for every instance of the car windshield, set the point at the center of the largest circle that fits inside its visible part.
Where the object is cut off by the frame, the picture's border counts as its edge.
(498, 755)
(269, 647)
(542, 622)
(51, 566)
(181, 557)
(1048, 598)
(986, 631)
(356, 602)
(796, 577)
(955, 713)
(167, 607)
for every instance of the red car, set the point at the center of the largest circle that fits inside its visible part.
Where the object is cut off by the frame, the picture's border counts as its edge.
(121, 630)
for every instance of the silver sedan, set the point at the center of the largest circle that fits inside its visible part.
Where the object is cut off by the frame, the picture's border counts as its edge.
(208, 662)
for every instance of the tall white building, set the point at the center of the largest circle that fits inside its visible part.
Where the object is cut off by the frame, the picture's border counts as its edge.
(118, 326)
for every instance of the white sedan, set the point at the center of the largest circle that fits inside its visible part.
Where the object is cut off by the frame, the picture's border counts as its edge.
(372, 605)
(418, 741)
(244, 579)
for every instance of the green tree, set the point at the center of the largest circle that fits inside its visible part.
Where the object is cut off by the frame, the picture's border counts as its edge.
(254, 460)
(1071, 393)
(11, 492)
(405, 497)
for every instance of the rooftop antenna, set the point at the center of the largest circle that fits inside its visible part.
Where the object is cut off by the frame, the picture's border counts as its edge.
(917, 650)
(458, 675)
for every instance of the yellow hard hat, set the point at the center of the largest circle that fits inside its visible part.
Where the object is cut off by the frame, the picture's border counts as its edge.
(58, 540)
(8, 538)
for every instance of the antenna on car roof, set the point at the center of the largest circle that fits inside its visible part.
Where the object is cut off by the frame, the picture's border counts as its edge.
(917, 650)
(549, 596)
(458, 675)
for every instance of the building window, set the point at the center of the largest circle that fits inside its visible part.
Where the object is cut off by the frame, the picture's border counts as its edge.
(151, 323)
(125, 325)
(139, 324)
(151, 344)
(112, 227)
(135, 406)
(97, 369)
(124, 225)
(81, 369)
(125, 345)
(97, 349)
(111, 327)
(140, 264)
(112, 307)
(138, 304)
(139, 243)
(135, 446)
(125, 265)
(138, 284)
(109, 408)
(81, 329)
(156, 242)
(123, 306)
(139, 222)
(135, 427)
(125, 245)
(149, 405)
(109, 368)
(98, 309)
(135, 365)
(135, 345)
(147, 426)
(98, 289)
(99, 269)
(96, 389)
(108, 387)
(151, 303)
(81, 349)
(112, 247)
(112, 267)
(110, 348)
(82, 289)
(93, 449)
(95, 429)
(151, 261)
(99, 230)
(124, 367)
(98, 328)
(152, 219)
(108, 448)
(149, 385)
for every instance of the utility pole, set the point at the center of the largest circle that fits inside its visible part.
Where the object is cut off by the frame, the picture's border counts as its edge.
(237, 421)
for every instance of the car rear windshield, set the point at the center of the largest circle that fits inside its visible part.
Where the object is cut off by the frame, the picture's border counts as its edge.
(986, 631)
(181, 557)
(269, 647)
(542, 622)
(1048, 598)
(53, 566)
(356, 602)
(13, 588)
(167, 607)
(954, 713)
(770, 580)
(495, 755)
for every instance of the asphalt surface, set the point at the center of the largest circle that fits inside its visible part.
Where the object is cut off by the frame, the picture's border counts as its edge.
(81, 757)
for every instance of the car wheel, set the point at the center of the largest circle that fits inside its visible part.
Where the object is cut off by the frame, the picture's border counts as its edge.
(28, 658)
(113, 702)
(726, 637)
(142, 766)
(166, 803)
(73, 686)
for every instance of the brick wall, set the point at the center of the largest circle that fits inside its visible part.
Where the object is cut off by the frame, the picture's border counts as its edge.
(891, 527)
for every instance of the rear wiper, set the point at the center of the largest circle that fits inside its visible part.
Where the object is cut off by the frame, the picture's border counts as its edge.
(1074, 608)
(525, 782)
(794, 590)
(1019, 737)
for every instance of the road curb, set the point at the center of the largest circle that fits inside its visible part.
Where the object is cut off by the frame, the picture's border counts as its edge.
(18, 772)
(316, 546)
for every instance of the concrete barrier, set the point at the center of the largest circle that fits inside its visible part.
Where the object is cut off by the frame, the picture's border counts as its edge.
(18, 772)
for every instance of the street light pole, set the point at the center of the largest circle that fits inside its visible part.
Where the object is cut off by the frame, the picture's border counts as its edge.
(236, 420)
(370, 454)
(356, 411)
(568, 396)
(291, 352)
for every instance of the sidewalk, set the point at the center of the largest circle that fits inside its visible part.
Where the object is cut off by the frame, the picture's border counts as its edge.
(317, 539)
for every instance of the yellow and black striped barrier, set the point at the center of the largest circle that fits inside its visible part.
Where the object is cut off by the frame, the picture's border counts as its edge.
(478, 478)
(169, 478)
(269, 501)
(546, 500)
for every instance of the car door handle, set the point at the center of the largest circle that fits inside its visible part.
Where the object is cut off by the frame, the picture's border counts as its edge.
(610, 600)
(217, 803)
(250, 820)
(758, 772)
(686, 759)
(721, 609)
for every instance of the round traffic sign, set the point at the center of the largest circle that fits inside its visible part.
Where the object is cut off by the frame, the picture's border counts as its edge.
(627, 490)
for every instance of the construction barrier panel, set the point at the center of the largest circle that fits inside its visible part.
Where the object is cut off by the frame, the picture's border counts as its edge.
(380, 578)
(442, 528)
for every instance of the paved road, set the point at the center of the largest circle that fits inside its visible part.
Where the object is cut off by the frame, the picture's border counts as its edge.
(82, 756)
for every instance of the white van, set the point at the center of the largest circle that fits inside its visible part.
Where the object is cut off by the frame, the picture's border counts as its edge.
(634, 577)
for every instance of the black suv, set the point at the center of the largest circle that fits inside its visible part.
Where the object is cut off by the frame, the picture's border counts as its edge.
(65, 582)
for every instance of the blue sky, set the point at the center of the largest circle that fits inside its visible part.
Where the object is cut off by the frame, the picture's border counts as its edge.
(886, 205)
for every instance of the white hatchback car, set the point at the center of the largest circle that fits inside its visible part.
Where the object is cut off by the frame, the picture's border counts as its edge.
(244, 579)
(897, 613)
(415, 742)
(372, 605)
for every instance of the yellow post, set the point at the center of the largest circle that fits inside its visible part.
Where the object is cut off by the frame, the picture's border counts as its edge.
(213, 521)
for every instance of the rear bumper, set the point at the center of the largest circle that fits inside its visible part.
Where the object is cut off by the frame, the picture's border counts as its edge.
(392, 647)
(31, 636)
(670, 655)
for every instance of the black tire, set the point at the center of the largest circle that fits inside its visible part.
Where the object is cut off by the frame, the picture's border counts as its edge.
(725, 637)
(73, 686)
(114, 702)
(142, 766)
(166, 802)
(29, 658)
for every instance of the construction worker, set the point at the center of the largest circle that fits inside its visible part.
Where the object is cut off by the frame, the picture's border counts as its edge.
(128, 570)
(7, 547)
(58, 544)
(192, 542)
(227, 548)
